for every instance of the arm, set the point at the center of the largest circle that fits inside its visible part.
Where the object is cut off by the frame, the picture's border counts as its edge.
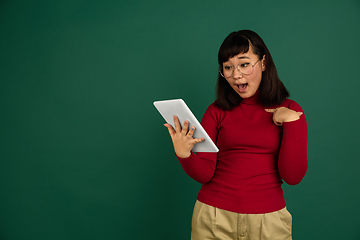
(292, 161)
(200, 167)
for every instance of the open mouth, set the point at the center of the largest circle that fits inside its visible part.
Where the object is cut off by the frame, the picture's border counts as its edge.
(242, 87)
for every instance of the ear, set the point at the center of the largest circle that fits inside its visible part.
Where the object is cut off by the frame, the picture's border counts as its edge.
(263, 63)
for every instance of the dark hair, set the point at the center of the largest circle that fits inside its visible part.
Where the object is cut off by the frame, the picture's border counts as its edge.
(271, 90)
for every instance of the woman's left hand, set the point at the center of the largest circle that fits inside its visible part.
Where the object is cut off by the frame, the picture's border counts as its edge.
(283, 114)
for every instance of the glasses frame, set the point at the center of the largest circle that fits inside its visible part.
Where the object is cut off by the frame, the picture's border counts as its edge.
(236, 66)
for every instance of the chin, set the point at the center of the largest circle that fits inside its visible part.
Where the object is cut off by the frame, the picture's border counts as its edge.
(246, 95)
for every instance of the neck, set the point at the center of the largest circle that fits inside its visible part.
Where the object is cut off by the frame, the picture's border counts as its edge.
(255, 99)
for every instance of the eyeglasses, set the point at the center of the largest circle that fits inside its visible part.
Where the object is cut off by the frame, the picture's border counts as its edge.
(244, 68)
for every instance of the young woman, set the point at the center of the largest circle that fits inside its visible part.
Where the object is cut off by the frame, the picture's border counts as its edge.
(262, 141)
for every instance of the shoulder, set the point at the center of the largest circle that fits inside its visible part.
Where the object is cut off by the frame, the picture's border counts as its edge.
(214, 107)
(214, 111)
(291, 104)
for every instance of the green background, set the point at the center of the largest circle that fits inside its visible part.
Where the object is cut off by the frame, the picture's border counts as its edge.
(84, 154)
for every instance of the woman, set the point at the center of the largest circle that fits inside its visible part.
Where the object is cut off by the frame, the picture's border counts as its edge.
(262, 141)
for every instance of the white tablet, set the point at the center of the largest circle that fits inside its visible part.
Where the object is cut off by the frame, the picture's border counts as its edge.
(177, 107)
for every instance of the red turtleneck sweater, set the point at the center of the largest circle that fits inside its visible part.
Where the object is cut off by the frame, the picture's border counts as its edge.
(254, 156)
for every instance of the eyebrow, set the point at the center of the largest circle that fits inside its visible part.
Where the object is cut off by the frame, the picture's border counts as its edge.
(243, 57)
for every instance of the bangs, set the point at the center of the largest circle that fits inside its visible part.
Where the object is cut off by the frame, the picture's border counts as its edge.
(233, 45)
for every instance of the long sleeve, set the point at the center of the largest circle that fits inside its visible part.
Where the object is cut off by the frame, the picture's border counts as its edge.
(201, 166)
(292, 160)
(255, 157)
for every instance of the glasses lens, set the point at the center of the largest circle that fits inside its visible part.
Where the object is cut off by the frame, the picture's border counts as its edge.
(245, 68)
(227, 71)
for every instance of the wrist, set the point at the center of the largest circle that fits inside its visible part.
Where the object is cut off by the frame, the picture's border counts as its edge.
(183, 155)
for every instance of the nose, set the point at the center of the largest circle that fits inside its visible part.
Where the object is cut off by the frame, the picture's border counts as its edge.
(237, 74)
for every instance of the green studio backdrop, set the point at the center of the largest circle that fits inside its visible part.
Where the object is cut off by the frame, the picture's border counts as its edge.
(84, 154)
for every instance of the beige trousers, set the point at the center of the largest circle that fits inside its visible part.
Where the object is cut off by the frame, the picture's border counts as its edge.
(212, 223)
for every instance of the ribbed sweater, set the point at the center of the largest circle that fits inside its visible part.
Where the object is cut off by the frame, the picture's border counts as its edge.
(255, 157)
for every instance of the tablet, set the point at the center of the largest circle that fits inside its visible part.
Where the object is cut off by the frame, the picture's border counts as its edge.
(177, 107)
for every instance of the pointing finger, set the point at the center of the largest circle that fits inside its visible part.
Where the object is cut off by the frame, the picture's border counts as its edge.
(271, 110)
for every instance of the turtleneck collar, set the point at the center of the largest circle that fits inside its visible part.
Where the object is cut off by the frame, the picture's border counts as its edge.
(255, 99)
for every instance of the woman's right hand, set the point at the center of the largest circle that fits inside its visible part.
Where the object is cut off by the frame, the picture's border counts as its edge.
(182, 139)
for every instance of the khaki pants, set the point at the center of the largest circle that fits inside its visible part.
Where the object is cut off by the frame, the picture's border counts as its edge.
(212, 223)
